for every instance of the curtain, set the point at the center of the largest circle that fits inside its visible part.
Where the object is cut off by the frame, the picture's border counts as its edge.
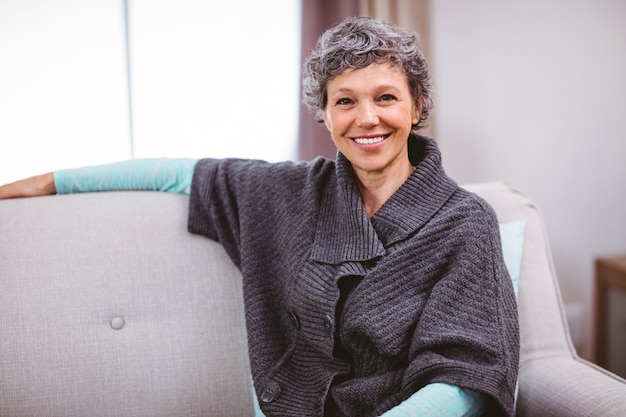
(317, 16)
(413, 15)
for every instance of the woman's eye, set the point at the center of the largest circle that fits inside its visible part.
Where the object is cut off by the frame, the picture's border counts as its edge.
(344, 101)
(387, 97)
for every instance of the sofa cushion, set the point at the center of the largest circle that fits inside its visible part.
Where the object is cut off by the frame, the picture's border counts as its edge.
(109, 307)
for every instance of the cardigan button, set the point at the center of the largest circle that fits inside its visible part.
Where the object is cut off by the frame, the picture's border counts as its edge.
(329, 323)
(271, 392)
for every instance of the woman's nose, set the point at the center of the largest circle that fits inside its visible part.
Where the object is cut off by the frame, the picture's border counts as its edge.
(367, 115)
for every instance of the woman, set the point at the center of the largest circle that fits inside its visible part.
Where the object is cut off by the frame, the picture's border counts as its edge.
(374, 284)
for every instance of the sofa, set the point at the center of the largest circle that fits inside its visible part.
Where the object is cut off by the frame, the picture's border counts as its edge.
(109, 307)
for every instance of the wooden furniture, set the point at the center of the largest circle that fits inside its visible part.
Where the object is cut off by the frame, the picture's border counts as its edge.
(610, 313)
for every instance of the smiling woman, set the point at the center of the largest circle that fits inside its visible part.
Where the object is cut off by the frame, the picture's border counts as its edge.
(64, 98)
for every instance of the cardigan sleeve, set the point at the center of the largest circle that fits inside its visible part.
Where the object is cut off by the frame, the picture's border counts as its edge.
(468, 333)
(233, 199)
(221, 190)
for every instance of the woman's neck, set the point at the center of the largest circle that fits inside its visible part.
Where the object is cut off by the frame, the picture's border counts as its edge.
(377, 187)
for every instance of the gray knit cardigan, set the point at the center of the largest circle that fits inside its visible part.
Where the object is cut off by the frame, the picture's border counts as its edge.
(348, 315)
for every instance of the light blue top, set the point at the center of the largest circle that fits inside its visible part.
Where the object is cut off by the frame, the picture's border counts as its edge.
(175, 175)
(156, 174)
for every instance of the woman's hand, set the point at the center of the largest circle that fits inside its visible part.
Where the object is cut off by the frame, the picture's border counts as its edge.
(29, 187)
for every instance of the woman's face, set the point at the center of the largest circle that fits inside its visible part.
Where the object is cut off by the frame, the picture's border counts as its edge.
(369, 114)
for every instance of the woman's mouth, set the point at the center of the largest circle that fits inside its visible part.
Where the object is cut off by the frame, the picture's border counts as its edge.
(370, 140)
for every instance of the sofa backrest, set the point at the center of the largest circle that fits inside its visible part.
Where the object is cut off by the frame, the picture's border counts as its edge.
(109, 307)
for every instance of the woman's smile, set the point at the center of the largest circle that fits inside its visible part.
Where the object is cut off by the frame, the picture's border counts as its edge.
(370, 140)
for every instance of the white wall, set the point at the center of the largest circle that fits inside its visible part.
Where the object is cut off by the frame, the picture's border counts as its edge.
(534, 93)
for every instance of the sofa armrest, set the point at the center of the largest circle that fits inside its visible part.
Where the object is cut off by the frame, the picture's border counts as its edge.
(553, 380)
(569, 386)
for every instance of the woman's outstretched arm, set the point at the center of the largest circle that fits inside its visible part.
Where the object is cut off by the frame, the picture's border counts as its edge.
(156, 174)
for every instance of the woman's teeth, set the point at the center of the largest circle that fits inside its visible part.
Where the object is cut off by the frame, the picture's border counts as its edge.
(369, 141)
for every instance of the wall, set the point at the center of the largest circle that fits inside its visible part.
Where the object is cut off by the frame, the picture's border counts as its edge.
(534, 93)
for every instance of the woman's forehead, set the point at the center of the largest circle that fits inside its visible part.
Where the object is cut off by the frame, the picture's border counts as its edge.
(373, 75)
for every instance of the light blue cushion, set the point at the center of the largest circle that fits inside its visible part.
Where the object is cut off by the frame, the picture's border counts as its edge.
(512, 236)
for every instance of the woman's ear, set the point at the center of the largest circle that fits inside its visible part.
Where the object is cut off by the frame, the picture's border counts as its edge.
(417, 111)
(326, 120)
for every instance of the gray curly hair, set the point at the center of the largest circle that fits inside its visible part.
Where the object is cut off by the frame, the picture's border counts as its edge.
(356, 43)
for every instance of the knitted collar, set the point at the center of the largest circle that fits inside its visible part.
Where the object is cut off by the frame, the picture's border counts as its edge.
(345, 233)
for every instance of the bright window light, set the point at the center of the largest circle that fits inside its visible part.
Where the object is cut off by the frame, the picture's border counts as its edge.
(62, 85)
(216, 79)
(208, 79)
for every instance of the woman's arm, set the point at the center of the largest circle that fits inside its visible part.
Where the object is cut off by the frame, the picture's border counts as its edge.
(158, 174)
(436, 400)
(155, 174)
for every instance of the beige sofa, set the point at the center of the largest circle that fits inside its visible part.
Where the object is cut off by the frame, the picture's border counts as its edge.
(108, 307)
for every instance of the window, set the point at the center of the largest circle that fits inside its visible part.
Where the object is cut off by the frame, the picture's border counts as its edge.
(206, 79)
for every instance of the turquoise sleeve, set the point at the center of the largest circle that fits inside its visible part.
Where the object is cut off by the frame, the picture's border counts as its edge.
(436, 400)
(151, 174)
